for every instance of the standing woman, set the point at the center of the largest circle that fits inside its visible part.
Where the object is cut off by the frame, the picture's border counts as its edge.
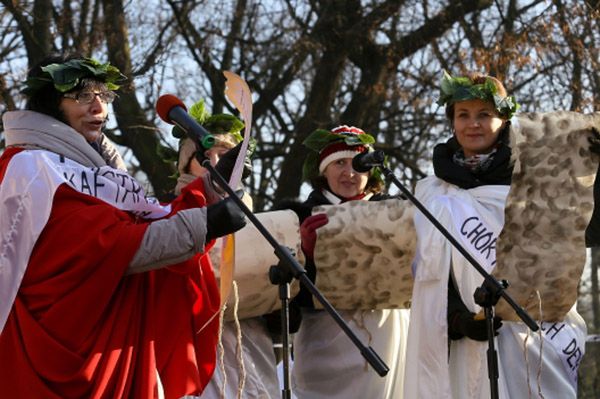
(326, 362)
(471, 183)
(104, 292)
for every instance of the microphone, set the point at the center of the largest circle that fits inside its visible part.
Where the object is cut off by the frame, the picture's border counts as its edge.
(173, 111)
(365, 161)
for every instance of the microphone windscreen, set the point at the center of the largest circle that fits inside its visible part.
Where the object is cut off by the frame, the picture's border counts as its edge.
(358, 163)
(165, 104)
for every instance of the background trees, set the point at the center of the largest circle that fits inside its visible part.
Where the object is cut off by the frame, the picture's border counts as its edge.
(374, 64)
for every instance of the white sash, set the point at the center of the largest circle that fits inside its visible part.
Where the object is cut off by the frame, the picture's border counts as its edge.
(476, 230)
(26, 195)
(568, 345)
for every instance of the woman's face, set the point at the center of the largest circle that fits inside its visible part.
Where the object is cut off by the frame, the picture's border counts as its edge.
(213, 154)
(344, 181)
(87, 119)
(477, 126)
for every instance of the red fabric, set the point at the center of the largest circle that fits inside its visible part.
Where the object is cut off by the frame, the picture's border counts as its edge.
(355, 198)
(80, 328)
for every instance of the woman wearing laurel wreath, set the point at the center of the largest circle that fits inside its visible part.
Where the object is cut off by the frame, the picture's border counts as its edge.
(246, 365)
(326, 363)
(105, 292)
(447, 344)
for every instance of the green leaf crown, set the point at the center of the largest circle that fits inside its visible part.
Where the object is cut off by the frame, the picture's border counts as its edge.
(459, 88)
(66, 76)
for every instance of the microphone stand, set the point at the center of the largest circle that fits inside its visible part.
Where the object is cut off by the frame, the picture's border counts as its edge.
(297, 271)
(280, 275)
(486, 296)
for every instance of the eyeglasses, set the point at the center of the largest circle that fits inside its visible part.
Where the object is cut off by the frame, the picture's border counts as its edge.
(87, 97)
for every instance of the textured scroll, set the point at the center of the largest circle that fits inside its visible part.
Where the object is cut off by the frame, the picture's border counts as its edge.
(364, 254)
(542, 244)
(253, 258)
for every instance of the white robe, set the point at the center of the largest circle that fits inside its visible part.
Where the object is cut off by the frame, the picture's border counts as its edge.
(260, 369)
(465, 375)
(327, 365)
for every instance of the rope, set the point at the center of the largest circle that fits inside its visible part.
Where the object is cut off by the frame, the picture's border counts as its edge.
(360, 322)
(222, 353)
(12, 231)
(239, 350)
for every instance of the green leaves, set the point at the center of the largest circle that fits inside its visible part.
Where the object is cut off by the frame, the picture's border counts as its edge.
(198, 112)
(455, 89)
(216, 124)
(68, 75)
(321, 138)
(225, 123)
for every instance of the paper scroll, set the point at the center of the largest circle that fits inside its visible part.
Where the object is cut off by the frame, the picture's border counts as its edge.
(542, 244)
(364, 254)
(253, 258)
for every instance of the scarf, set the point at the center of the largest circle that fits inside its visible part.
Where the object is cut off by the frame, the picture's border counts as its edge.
(452, 167)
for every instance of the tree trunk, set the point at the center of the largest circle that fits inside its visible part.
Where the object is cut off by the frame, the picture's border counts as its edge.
(317, 115)
(138, 133)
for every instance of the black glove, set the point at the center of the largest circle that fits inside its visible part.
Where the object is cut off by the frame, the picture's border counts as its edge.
(227, 162)
(222, 218)
(594, 141)
(463, 324)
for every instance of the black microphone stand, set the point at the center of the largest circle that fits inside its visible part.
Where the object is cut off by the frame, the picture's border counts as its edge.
(281, 276)
(486, 296)
(297, 271)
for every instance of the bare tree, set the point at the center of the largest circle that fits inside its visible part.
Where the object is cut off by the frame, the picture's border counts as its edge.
(311, 64)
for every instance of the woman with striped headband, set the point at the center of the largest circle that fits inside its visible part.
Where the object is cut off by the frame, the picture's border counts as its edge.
(326, 362)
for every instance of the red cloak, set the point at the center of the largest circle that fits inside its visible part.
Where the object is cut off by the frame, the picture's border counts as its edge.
(80, 327)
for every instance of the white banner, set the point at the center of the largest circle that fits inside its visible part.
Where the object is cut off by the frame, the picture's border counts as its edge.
(26, 196)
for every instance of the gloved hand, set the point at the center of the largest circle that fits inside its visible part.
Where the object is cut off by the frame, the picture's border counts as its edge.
(463, 324)
(308, 234)
(227, 162)
(222, 218)
(594, 141)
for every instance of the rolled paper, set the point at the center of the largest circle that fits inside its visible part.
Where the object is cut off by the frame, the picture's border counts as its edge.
(550, 203)
(363, 255)
(253, 258)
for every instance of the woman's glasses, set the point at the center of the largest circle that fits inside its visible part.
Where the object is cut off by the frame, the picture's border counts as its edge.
(87, 97)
